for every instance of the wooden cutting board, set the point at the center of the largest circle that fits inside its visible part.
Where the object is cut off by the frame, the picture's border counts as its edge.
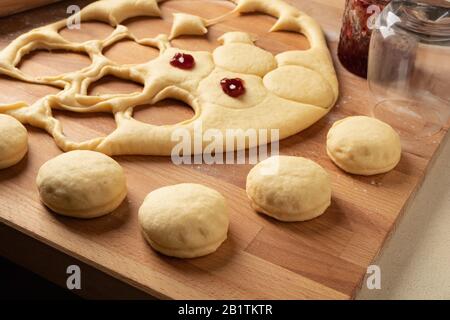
(324, 258)
(13, 6)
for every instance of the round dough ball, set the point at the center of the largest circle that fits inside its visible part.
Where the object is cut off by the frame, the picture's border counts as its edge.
(289, 188)
(244, 58)
(13, 141)
(184, 220)
(363, 145)
(300, 84)
(82, 184)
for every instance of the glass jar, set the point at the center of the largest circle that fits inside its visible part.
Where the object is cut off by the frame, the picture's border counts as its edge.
(409, 66)
(357, 25)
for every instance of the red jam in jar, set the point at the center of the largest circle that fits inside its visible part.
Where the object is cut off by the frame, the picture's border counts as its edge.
(233, 87)
(353, 50)
(183, 61)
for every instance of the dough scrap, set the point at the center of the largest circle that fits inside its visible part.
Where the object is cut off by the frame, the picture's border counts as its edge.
(289, 188)
(82, 184)
(364, 145)
(290, 108)
(187, 24)
(185, 220)
(13, 141)
(116, 11)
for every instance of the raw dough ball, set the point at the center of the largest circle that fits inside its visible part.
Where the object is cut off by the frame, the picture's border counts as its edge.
(244, 58)
(82, 184)
(289, 188)
(13, 141)
(363, 145)
(187, 24)
(184, 220)
(301, 85)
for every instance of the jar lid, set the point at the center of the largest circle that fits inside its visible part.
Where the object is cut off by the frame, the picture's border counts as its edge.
(426, 18)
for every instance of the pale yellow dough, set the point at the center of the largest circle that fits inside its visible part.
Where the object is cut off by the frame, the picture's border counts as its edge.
(289, 91)
(187, 24)
(184, 220)
(82, 184)
(364, 145)
(289, 188)
(13, 141)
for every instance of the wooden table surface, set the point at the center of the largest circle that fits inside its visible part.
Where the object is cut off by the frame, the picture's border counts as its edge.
(324, 258)
(9, 7)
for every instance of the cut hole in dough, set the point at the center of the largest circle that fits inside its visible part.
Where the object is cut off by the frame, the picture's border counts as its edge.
(41, 63)
(80, 127)
(130, 52)
(209, 8)
(12, 91)
(246, 23)
(165, 112)
(87, 31)
(282, 41)
(274, 42)
(146, 27)
(201, 43)
(113, 85)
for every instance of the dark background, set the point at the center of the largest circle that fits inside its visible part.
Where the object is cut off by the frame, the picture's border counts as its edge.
(19, 283)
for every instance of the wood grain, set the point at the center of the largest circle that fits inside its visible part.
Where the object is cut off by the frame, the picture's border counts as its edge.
(322, 259)
(8, 7)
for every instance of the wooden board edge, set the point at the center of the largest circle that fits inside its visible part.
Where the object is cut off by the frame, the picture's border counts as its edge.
(94, 284)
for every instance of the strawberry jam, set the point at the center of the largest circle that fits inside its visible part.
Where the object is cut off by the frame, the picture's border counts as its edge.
(183, 61)
(359, 17)
(233, 87)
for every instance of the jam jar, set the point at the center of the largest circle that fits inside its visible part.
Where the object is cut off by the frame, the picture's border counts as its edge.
(358, 22)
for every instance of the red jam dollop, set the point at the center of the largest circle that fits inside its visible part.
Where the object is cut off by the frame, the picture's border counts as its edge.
(353, 49)
(183, 61)
(233, 87)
